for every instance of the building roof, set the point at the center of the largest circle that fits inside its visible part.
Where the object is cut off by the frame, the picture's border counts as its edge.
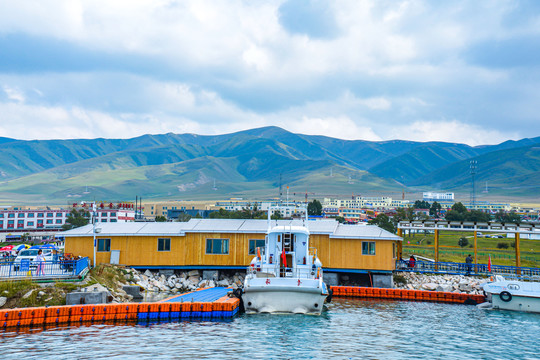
(329, 227)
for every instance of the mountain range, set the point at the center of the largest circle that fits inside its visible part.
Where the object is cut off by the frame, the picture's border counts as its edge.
(253, 164)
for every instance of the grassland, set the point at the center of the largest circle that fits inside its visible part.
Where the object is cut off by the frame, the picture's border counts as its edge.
(449, 250)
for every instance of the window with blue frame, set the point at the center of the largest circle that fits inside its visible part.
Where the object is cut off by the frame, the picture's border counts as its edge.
(217, 246)
(104, 245)
(368, 247)
(254, 244)
(164, 245)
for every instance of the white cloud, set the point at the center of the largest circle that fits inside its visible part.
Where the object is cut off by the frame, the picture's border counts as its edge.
(338, 127)
(14, 94)
(451, 131)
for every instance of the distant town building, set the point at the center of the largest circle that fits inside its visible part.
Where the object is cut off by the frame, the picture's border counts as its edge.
(434, 196)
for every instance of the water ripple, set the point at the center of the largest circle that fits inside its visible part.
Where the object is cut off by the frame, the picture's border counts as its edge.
(348, 329)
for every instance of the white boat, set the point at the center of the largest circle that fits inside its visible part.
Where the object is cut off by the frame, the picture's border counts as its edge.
(286, 275)
(513, 295)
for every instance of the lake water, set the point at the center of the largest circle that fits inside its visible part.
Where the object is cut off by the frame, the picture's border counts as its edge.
(349, 328)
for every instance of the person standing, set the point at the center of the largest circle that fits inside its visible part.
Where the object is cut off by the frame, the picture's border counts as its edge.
(412, 261)
(468, 262)
(41, 262)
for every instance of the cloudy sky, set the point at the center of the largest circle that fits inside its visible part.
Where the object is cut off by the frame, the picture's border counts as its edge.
(458, 71)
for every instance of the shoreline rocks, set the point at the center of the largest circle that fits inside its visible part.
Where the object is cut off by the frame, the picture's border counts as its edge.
(182, 281)
(448, 283)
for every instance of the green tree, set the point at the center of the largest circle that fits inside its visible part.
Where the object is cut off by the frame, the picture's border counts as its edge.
(463, 241)
(421, 204)
(459, 207)
(505, 217)
(453, 215)
(435, 209)
(161, 218)
(76, 218)
(383, 221)
(276, 215)
(478, 216)
(314, 207)
(183, 217)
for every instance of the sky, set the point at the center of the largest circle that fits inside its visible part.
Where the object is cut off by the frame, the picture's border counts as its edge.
(455, 71)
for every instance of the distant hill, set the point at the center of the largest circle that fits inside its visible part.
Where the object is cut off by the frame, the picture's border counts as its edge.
(510, 172)
(248, 163)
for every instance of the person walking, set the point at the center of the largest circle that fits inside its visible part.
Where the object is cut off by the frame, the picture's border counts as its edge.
(41, 262)
(468, 262)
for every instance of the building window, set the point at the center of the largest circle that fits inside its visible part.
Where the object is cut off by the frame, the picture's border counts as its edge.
(49, 221)
(103, 214)
(394, 250)
(103, 220)
(58, 214)
(217, 246)
(30, 223)
(254, 244)
(20, 215)
(40, 215)
(368, 247)
(58, 221)
(113, 214)
(112, 220)
(164, 245)
(1, 215)
(11, 215)
(31, 215)
(50, 214)
(104, 245)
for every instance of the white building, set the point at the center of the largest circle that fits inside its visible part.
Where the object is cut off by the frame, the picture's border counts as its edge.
(434, 196)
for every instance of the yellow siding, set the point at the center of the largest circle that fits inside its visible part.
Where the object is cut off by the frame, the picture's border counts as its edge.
(190, 250)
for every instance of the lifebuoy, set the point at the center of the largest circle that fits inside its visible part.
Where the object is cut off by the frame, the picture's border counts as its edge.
(505, 296)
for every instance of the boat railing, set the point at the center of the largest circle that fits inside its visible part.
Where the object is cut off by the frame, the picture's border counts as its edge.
(284, 272)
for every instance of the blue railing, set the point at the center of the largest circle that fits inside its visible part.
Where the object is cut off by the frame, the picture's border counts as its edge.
(56, 269)
(466, 269)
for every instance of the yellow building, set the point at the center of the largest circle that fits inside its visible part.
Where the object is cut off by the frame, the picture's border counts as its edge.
(229, 244)
(151, 210)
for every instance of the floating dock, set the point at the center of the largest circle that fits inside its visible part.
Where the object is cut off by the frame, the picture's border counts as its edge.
(407, 295)
(210, 303)
(202, 304)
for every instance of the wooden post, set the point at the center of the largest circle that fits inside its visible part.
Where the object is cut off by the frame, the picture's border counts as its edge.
(399, 245)
(518, 255)
(436, 249)
(475, 253)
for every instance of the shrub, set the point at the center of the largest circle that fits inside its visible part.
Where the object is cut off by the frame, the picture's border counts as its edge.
(463, 242)
(400, 279)
(502, 245)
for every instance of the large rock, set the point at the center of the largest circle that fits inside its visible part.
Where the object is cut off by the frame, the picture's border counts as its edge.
(194, 279)
(465, 287)
(148, 273)
(28, 294)
(3, 300)
(194, 273)
(429, 286)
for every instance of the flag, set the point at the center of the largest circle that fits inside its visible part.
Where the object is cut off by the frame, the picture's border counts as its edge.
(489, 263)
(284, 258)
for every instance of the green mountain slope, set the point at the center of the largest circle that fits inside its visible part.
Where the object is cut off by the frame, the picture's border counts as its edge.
(508, 172)
(422, 160)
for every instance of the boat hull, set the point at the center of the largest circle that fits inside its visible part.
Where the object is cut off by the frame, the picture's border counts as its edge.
(283, 300)
(517, 303)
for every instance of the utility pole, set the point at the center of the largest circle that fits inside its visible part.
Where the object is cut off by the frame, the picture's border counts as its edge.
(473, 166)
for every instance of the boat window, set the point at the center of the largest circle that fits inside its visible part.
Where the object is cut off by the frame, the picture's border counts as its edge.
(513, 286)
(254, 244)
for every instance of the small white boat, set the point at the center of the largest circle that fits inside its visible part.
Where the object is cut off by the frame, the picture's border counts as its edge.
(513, 295)
(286, 276)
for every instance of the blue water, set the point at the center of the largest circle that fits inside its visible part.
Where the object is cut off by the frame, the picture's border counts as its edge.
(349, 328)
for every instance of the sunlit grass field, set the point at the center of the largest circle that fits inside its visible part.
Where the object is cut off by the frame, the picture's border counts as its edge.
(450, 251)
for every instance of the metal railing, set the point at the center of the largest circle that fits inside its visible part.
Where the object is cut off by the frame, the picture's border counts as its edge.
(57, 269)
(285, 272)
(467, 269)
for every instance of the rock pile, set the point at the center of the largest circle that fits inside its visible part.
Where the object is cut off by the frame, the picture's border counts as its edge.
(449, 283)
(182, 282)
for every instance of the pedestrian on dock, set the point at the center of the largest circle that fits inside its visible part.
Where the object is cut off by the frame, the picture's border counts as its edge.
(412, 261)
(41, 263)
(468, 262)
